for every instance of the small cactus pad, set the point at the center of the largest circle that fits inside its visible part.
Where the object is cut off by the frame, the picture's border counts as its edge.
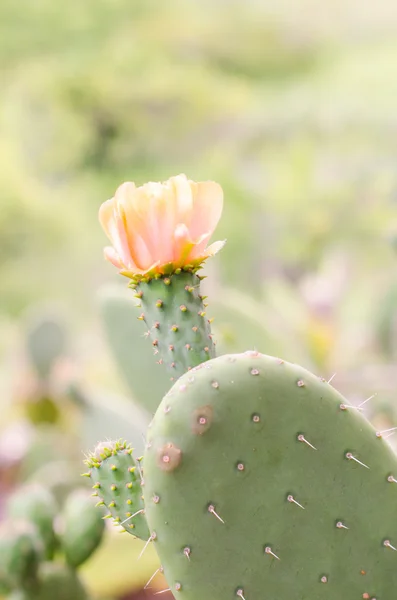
(117, 483)
(262, 482)
(36, 504)
(20, 555)
(59, 582)
(82, 526)
(178, 327)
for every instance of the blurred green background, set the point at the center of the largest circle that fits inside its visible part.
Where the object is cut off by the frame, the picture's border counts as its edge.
(290, 106)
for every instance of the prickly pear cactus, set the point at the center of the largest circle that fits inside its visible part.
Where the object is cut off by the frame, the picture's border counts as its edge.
(117, 480)
(173, 310)
(82, 528)
(36, 504)
(262, 482)
(20, 554)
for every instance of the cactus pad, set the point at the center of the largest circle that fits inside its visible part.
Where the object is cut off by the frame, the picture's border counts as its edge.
(83, 528)
(59, 582)
(262, 482)
(46, 342)
(178, 328)
(37, 504)
(117, 483)
(20, 555)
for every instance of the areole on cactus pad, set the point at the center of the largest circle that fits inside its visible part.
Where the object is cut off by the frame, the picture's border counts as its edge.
(261, 482)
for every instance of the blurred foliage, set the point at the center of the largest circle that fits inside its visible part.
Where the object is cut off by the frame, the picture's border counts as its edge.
(290, 106)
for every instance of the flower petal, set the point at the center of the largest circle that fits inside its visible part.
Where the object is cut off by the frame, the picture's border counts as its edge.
(161, 219)
(112, 256)
(125, 190)
(138, 248)
(214, 248)
(183, 244)
(203, 253)
(207, 210)
(106, 215)
(184, 199)
(161, 224)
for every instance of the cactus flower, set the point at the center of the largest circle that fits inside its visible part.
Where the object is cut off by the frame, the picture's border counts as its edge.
(158, 228)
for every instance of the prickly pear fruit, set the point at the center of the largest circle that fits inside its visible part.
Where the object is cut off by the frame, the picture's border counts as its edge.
(36, 504)
(174, 312)
(20, 554)
(117, 482)
(82, 529)
(59, 582)
(262, 482)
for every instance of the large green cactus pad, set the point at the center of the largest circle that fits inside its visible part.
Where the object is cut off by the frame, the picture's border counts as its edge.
(261, 482)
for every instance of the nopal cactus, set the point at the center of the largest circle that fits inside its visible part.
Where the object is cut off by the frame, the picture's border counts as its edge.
(267, 485)
(260, 480)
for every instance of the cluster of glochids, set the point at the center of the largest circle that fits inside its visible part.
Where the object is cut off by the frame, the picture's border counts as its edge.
(42, 545)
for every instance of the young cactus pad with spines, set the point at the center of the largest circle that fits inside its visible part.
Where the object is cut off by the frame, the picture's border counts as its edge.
(174, 312)
(82, 527)
(262, 482)
(117, 483)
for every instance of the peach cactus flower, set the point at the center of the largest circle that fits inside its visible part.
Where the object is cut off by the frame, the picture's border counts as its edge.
(160, 227)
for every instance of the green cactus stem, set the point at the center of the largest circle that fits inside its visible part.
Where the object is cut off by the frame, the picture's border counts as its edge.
(262, 482)
(82, 528)
(117, 479)
(174, 312)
